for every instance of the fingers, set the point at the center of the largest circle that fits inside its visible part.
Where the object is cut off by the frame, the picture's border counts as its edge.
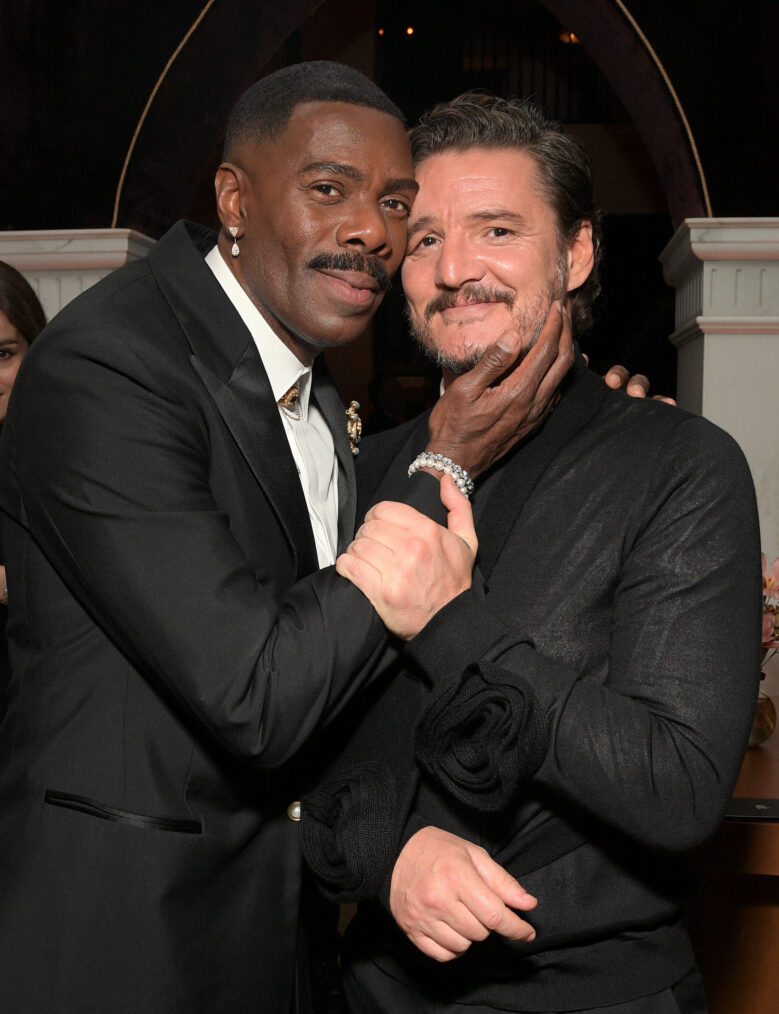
(544, 356)
(496, 361)
(502, 883)
(460, 514)
(638, 386)
(361, 574)
(618, 378)
(447, 893)
(562, 343)
(396, 513)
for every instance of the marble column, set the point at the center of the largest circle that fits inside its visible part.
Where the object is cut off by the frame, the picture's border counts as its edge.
(726, 275)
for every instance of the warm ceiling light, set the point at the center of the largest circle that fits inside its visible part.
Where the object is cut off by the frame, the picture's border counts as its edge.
(381, 31)
(409, 30)
(569, 37)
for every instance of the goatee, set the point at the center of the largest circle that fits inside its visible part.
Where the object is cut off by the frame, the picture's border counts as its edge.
(527, 320)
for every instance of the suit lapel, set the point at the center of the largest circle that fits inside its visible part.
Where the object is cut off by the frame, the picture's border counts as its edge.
(382, 471)
(332, 408)
(248, 408)
(226, 359)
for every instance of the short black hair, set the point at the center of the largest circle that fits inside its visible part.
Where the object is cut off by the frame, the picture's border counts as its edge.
(263, 110)
(482, 120)
(19, 303)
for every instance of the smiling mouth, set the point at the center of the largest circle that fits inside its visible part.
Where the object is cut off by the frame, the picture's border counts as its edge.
(352, 287)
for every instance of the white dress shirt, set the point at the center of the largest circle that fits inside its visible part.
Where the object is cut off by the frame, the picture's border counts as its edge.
(309, 437)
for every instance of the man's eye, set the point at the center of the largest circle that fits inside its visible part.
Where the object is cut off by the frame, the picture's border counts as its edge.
(397, 204)
(328, 189)
(428, 241)
(498, 232)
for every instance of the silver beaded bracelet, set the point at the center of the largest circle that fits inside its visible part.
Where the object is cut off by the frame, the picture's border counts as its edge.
(442, 464)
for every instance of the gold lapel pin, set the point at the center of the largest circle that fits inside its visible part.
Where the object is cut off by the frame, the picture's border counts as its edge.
(354, 426)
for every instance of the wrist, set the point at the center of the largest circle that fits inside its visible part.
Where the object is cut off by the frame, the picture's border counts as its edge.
(439, 464)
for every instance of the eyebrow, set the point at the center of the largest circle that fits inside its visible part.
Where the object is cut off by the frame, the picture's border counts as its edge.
(353, 173)
(486, 215)
(336, 168)
(490, 214)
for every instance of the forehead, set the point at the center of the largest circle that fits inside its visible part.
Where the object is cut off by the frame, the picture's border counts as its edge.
(7, 330)
(455, 182)
(341, 132)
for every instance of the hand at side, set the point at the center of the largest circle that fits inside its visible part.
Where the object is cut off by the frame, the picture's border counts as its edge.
(447, 892)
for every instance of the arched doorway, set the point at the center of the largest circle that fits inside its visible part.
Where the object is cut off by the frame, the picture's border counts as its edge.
(235, 41)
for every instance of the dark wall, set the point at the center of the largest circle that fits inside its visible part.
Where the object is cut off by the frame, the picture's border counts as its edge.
(74, 79)
(721, 58)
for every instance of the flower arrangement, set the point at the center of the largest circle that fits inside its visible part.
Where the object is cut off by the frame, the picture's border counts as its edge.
(765, 714)
(770, 606)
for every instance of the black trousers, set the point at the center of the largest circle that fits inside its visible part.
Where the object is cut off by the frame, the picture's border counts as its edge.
(369, 990)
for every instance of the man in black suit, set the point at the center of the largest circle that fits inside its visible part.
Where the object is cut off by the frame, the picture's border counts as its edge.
(591, 699)
(167, 502)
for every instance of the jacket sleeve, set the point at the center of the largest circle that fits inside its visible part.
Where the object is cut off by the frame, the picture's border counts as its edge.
(655, 749)
(110, 457)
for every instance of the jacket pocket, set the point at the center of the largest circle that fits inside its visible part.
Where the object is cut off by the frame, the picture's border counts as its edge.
(95, 809)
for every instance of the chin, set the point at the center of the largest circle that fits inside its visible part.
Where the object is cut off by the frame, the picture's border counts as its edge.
(457, 358)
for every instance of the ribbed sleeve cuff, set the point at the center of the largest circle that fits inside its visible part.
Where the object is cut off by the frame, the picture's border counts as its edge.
(461, 632)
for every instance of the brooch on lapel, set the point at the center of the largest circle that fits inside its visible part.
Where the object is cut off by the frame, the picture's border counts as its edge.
(353, 427)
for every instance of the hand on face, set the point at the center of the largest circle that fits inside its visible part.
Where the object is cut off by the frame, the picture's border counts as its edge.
(485, 412)
(408, 566)
(447, 892)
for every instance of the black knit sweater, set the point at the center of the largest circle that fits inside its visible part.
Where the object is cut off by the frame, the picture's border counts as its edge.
(619, 549)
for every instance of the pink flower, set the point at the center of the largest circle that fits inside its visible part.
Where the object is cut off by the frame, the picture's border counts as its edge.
(770, 578)
(769, 629)
(770, 635)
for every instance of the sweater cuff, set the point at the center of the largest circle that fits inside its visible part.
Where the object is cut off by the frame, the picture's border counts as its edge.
(423, 492)
(462, 631)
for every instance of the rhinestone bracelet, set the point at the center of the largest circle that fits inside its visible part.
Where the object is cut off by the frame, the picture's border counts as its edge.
(442, 464)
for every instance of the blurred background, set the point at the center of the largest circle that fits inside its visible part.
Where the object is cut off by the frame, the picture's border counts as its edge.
(113, 113)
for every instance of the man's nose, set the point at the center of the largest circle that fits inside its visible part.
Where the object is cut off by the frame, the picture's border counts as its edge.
(365, 229)
(457, 264)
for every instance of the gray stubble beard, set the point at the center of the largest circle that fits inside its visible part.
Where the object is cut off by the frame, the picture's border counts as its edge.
(528, 319)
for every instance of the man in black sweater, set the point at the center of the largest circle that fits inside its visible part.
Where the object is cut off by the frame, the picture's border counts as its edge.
(589, 715)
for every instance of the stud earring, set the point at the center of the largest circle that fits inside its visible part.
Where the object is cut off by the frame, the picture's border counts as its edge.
(233, 230)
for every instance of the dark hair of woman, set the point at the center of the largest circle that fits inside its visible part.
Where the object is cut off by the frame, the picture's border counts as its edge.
(19, 303)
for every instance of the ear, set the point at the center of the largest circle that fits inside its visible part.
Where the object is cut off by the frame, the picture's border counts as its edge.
(580, 256)
(227, 183)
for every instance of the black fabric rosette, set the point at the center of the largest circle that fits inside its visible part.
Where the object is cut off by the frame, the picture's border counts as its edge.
(353, 820)
(482, 735)
(350, 831)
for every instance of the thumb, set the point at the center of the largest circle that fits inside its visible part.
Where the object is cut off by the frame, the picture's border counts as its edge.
(509, 890)
(460, 515)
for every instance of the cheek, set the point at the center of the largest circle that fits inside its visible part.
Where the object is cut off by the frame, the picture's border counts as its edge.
(8, 371)
(417, 286)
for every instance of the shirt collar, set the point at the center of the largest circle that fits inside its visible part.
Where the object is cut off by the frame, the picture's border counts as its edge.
(281, 364)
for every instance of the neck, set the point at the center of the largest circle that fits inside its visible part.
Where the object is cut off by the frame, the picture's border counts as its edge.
(303, 350)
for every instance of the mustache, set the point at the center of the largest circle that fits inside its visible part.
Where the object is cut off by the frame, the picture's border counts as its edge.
(352, 262)
(475, 293)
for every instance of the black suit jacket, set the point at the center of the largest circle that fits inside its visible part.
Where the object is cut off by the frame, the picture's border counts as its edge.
(167, 660)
